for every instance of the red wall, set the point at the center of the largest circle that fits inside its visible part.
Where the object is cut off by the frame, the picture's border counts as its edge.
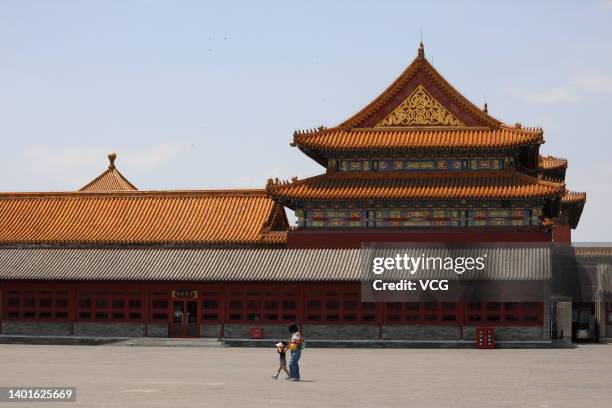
(354, 238)
(300, 294)
(562, 233)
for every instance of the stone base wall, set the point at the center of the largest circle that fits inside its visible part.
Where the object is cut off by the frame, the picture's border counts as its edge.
(22, 328)
(511, 333)
(341, 332)
(270, 331)
(87, 329)
(399, 332)
(157, 330)
(280, 332)
(210, 330)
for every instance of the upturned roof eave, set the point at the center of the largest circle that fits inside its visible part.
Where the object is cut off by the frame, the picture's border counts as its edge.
(279, 192)
(303, 140)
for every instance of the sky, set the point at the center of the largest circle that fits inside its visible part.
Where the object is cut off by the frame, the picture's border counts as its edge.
(206, 95)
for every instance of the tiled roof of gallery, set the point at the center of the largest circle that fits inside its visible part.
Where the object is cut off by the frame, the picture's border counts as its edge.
(110, 210)
(141, 217)
(247, 264)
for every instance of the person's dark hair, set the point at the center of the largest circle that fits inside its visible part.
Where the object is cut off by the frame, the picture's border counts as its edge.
(285, 343)
(293, 328)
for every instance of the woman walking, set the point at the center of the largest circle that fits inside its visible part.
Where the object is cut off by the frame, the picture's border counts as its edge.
(295, 345)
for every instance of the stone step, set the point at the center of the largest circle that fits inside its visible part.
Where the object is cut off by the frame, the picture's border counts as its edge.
(322, 343)
(169, 342)
(111, 341)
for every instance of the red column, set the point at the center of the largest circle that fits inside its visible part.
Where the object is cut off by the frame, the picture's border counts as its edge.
(147, 308)
(461, 316)
(223, 309)
(72, 295)
(301, 305)
(1, 305)
(380, 318)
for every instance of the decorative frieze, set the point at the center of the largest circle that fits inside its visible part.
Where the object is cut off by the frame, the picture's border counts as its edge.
(420, 109)
(442, 164)
(438, 217)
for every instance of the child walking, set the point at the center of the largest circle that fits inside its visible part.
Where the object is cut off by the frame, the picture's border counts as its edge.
(281, 349)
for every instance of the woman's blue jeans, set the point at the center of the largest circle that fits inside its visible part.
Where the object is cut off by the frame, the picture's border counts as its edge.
(294, 367)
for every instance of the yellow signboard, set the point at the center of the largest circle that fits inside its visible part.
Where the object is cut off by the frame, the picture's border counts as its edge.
(185, 294)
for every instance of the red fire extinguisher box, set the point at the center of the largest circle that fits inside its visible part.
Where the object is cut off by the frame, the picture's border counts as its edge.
(485, 337)
(256, 333)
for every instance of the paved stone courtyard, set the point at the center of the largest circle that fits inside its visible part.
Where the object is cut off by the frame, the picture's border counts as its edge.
(123, 376)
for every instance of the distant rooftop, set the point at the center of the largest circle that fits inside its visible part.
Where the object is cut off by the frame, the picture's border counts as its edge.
(110, 180)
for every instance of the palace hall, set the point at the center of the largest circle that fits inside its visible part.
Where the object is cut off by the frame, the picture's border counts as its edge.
(418, 164)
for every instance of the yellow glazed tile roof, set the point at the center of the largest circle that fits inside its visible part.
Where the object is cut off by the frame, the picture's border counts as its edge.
(110, 180)
(142, 217)
(337, 139)
(348, 186)
(551, 162)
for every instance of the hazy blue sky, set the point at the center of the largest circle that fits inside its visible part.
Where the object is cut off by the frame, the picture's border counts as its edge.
(207, 94)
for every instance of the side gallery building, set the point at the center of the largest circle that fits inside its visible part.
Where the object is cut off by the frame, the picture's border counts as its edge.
(420, 163)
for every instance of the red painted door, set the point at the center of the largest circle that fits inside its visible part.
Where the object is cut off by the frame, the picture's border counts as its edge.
(184, 319)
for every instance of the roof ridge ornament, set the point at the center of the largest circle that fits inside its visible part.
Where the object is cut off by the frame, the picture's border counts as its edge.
(111, 159)
(421, 52)
(111, 180)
